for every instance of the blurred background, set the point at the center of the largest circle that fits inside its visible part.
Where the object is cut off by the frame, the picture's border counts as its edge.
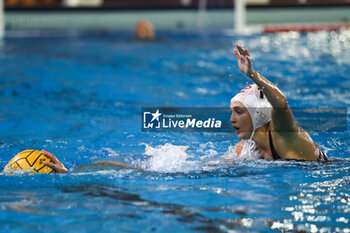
(168, 14)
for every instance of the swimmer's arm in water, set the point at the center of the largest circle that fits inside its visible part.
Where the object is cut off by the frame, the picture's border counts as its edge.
(106, 163)
(282, 116)
(60, 168)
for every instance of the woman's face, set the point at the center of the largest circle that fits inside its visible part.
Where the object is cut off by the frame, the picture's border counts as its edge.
(241, 120)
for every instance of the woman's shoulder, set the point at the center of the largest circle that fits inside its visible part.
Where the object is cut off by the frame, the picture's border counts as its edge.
(291, 145)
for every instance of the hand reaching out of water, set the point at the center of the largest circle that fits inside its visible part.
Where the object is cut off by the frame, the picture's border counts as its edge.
(55, 164)
(244, 61)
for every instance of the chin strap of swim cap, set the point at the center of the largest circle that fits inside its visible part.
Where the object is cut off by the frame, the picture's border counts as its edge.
(249, 145)
(252, 144)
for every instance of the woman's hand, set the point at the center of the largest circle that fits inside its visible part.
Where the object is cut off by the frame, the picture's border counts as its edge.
(243, 58)
(55, 164)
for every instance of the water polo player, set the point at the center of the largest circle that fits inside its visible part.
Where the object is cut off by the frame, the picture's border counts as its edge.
(262, 118)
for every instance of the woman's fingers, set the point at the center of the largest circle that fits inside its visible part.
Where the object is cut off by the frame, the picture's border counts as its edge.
(244, 60)
(240, 49)
(55, 164)
(51, 165)
(235, 51)
(246, 51)
(50, 156)
(239, 56)
(57, 168)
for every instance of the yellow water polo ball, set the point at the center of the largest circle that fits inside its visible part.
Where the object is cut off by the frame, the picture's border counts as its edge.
(29, 161)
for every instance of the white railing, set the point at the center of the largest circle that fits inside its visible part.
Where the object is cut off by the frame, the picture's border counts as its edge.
(2, 23)
(240, 15)
(202, 12)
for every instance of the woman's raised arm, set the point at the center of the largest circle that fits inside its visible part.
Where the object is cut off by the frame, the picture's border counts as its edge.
(282, 116)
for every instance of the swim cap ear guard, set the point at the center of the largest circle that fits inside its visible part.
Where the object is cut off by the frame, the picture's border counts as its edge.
(257, 105)
(262, 114)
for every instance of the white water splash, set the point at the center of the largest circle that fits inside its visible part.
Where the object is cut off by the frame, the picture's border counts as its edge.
(228, 160)
(169, 158)
(10, 171)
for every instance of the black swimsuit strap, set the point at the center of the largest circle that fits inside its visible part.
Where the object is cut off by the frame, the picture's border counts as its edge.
(275, 155)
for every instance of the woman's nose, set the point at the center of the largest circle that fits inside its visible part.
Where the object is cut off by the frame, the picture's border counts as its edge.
(233, 118)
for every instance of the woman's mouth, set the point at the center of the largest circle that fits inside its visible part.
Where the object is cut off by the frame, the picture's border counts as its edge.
(236, 128)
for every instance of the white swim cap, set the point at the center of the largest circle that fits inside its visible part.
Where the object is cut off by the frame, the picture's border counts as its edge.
(257, 105)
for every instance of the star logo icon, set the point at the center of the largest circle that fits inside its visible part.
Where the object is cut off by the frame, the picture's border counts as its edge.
(156, 115)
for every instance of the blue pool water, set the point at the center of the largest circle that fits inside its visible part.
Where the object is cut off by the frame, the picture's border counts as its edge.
(79, 95)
